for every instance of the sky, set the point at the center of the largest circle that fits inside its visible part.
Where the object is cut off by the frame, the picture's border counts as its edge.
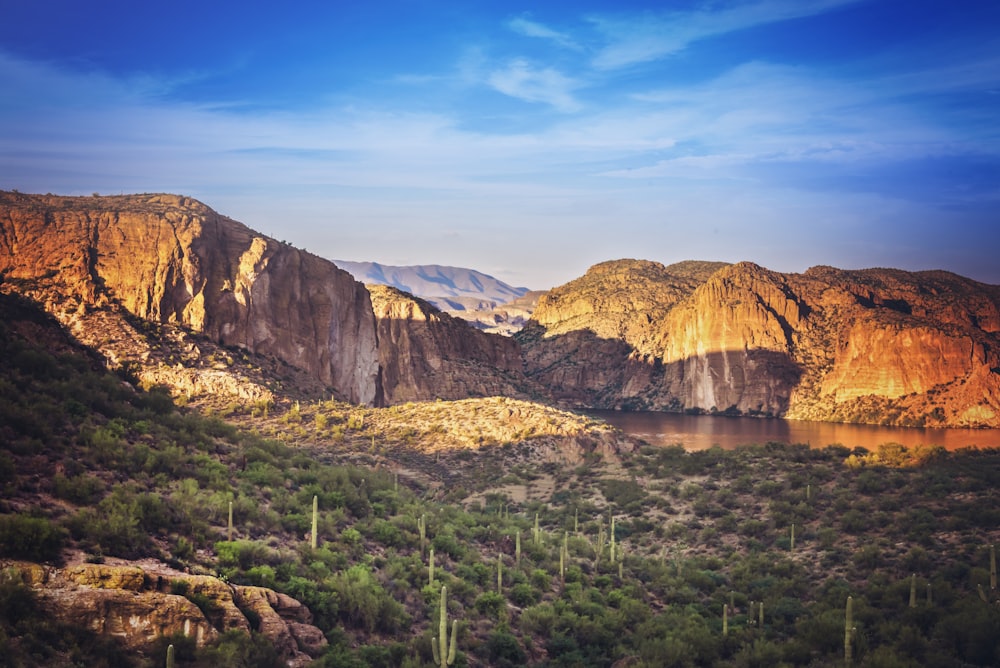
(530, 141)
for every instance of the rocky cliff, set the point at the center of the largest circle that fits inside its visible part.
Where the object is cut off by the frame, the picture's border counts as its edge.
(138, 604)
(878, 345)
(169, 259)
(427, 354)
(117, 270)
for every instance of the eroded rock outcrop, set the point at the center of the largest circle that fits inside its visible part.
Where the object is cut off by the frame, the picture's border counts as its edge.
(170, 259)
(426, 354)
(879, 345)
(139, 604)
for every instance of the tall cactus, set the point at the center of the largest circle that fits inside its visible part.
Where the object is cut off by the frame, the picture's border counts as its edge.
(537, 536)
(170, 656)
(229, 531)
(499, 572)
(315, 522)
(612, 539)
(993, 568)
(725, 619)
(430, 566)
(791, 540)
(849, 632)
(422, 530)
(517, 547)
(913, 590)
(444, 654)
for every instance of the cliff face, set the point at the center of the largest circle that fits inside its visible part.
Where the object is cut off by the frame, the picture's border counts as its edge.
(169, 259)
(137, 605)
(881, 346)
(427, 354)
(100, 263)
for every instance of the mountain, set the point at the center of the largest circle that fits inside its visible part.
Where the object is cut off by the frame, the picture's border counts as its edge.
(447, 288)
(872, 346)
(136, 276)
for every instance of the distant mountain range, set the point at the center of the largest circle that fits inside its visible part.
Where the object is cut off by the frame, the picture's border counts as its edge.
(447, 288)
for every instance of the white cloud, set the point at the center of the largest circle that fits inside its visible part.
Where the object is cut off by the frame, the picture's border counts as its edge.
(650, 36)
(522, 80)
(531, 28)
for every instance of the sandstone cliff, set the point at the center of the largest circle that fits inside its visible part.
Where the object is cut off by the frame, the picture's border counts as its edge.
(879, 346)
(169, 259)
(111, 268)
(139, 604)
(427, 354)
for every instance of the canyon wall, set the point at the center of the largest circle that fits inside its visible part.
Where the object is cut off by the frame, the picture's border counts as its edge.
(427, 354)
(877, 346)
(169, 259)
(105, 265)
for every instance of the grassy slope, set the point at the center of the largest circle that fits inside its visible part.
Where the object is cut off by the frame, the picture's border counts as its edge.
(88, 464)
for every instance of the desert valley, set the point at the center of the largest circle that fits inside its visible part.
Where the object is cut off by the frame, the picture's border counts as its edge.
(217, 449)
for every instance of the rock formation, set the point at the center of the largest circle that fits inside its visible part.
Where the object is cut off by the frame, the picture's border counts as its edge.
(427, 354)
(113, 269)
(139, 604)
(169, 259)
(877, 346)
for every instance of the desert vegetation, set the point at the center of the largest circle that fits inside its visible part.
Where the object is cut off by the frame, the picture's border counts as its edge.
(487, 556)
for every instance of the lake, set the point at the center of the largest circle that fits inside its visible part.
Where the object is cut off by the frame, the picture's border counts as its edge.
(700, 432)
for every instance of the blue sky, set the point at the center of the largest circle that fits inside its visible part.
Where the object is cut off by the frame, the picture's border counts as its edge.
(532, 141)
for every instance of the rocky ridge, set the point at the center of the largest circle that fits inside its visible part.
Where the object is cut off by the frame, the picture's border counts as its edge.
(878, 345)
(424, 353)
(182, 295)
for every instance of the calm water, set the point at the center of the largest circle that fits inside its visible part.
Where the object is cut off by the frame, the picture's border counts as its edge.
(700, 432)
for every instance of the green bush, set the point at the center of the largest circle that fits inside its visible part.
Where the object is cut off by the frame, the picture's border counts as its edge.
(31, 538)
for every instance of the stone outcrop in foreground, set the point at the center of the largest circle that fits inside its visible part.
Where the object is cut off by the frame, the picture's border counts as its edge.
(138, 605)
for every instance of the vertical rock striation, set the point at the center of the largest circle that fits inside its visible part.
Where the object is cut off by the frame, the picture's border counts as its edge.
(876, 346)
(170, 259)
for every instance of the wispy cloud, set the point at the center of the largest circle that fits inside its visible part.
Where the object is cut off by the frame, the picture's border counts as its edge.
(639, 38)
(529, 28)
(522, 80)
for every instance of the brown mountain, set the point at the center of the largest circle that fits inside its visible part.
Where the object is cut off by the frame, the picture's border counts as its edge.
(174, 289)
(876, 345)
(424, 353)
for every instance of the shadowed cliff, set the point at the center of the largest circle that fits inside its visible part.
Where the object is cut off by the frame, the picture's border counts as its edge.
(877, 346)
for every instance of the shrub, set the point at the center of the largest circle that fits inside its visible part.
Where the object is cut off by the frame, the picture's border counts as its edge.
(31, 538)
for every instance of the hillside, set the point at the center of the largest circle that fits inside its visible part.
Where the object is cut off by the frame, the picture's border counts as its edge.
(879, 346)
(115, 538)
(483, 301)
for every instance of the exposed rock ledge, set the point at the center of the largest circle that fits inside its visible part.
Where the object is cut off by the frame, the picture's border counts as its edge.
(138, 604)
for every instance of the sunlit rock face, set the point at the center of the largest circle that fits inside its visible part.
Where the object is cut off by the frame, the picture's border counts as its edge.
(879, 345)
(138, 605)
(170, 259)
(425, 354)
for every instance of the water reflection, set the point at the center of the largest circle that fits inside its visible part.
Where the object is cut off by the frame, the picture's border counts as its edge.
(700, 432)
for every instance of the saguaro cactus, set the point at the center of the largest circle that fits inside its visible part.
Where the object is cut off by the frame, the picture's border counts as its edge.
(849, 632)
(500, 572)
(170, 656)
(229, 531)
(993, 568)
(913, 590)
(315, 523)
(422, 529)
(430, 566)
(791, 543)
(444, 654)
(517, 547)
(725, 619)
